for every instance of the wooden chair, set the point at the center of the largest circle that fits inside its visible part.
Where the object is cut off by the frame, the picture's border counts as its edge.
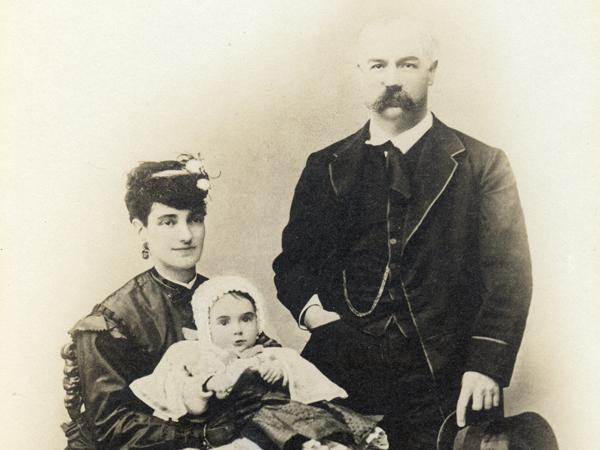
(77, 431)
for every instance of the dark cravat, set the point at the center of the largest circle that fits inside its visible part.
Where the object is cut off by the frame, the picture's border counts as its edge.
(397, 177)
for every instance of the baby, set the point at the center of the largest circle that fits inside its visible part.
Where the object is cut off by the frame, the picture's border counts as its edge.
(234, 364)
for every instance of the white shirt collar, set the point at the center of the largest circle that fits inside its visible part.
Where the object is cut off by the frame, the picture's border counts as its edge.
(188, 285)
(403, 141)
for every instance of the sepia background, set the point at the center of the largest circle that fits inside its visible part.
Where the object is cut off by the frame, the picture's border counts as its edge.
(90, 88)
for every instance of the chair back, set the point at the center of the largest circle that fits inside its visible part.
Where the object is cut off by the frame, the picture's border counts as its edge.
(79, 436)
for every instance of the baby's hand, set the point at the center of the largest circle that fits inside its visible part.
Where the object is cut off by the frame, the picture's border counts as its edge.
(377, 439)
(272, 370)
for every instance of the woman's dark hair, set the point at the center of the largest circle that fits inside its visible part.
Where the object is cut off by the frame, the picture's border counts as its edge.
(166, 182)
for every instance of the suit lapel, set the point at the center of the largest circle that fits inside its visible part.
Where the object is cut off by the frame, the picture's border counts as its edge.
(435, 169)
(348, 159)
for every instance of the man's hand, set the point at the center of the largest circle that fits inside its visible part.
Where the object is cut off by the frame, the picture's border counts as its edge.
(315, 316)
(481, 389)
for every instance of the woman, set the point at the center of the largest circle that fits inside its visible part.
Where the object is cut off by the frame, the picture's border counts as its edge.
(127, 334)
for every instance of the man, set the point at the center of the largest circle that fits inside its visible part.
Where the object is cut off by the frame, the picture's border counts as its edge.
(409, 240)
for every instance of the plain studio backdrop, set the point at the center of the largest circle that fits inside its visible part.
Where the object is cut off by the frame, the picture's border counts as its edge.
(90, 88)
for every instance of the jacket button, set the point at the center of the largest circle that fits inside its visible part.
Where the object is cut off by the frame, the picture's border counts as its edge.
(393, 266)
(393, 241)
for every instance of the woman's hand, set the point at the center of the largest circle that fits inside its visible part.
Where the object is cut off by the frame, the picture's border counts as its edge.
(222, 382)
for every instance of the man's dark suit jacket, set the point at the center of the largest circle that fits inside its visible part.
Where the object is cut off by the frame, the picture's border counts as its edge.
(465, 263)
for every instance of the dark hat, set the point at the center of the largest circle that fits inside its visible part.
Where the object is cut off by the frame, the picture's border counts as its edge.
(526, 431)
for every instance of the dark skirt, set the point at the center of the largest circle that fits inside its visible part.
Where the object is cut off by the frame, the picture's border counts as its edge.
(266, 415)
(287, 424)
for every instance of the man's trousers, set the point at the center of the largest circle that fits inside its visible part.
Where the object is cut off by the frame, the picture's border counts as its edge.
(385, 375)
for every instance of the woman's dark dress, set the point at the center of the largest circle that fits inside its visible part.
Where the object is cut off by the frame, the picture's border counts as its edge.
(123, 339)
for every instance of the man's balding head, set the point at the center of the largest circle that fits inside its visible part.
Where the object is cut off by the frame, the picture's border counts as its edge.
(398, 32)
(397, 59)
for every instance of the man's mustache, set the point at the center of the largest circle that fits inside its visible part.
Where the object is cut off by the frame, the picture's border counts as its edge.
(394, 97)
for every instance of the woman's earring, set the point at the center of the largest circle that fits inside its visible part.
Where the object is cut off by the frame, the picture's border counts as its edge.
(145, 250)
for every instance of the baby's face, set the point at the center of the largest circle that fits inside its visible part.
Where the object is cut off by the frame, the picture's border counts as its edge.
(233, 323)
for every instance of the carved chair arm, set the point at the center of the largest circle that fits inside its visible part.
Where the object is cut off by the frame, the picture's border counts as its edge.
(71, 382)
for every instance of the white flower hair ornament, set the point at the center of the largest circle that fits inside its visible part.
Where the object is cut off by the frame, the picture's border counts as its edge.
(194, 166)
(212, 290)
(203, 184)
(190, 165)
